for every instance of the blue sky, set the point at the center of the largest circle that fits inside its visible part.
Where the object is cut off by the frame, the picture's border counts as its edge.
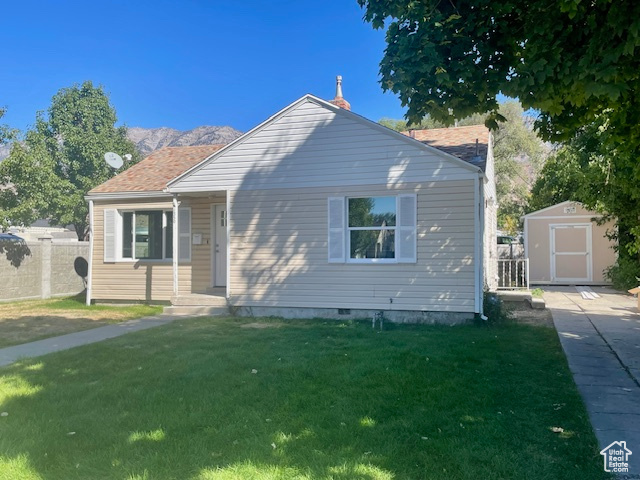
(187, 63)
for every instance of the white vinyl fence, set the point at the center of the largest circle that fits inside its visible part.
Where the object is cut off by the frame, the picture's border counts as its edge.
(513, 274)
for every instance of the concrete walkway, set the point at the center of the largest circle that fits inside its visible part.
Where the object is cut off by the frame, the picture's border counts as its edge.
(10, 355)
(601, 339)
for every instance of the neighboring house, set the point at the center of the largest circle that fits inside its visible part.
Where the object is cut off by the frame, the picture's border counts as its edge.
(42, 227)
(317, 212)
(568, 244)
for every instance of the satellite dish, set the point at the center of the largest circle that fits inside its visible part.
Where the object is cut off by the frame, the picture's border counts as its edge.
(113, 160)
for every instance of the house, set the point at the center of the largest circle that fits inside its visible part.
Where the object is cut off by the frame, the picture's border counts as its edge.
(568, 244)
(43, 227)
(316, 212)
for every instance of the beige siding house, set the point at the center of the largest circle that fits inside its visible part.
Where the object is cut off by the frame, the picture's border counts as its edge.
(317, 212)
(566, 245)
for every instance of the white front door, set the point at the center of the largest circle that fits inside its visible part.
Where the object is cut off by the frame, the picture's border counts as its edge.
(571, 253)
(219, 235)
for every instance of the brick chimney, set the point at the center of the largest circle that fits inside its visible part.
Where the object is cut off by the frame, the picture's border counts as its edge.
(339, 101)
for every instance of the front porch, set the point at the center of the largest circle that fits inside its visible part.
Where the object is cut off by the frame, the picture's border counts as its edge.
(211, 302)
(201, 236)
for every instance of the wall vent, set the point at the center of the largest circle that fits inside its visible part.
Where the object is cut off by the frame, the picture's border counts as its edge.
(344, 311)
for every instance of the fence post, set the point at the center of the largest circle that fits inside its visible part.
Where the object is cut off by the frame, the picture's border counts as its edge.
(45, 246)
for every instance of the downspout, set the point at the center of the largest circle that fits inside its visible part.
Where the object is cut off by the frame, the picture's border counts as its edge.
(477, 243)
(175, 246)
(89, 274)
(481, 215)
(228, 233)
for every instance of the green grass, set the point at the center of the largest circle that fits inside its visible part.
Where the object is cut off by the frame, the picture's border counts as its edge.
(327, 400)
(537, 292)
(31, 320)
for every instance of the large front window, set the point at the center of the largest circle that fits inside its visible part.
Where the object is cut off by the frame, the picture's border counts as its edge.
(372, 228)
(147, 234)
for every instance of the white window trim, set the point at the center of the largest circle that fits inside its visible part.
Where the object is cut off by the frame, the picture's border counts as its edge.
(120, 231)
(349, 229)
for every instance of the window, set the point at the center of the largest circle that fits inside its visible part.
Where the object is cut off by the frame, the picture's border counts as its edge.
(372, 227)
(147, 235)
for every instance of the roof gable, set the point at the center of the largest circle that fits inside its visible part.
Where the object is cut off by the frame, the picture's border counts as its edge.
(328, 127)
(558, 210)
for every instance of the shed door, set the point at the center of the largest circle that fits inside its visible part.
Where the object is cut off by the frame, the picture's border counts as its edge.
(571, 253)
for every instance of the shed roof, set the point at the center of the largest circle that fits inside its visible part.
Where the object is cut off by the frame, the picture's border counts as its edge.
(154, 172)
(457, 141)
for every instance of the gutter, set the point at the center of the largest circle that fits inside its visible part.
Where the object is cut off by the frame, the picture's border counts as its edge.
(125, 195)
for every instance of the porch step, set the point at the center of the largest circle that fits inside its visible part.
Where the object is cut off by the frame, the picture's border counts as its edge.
(199, 300)
(195, 310)
(514, 295)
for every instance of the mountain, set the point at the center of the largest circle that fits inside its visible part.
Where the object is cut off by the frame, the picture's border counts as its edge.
(148, 140)
(5, 148)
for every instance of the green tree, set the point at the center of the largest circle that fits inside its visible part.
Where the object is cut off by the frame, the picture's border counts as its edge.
(427, 122)
(61, 159)
(575, 62)
(588, 170)
(518, 154)
(403, 125)
(6, 133)
(569, 59)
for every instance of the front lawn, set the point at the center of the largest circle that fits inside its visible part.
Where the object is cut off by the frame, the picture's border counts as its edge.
(27, 321)
(261, 399)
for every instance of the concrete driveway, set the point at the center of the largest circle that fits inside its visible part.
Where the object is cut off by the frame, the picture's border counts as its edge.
(601, 339)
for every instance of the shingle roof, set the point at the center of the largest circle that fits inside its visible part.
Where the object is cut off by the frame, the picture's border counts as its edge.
(154, 172)
(457, 141)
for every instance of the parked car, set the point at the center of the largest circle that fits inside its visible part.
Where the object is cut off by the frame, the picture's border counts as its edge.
(509, 239)
(10, 237)
(506, 240)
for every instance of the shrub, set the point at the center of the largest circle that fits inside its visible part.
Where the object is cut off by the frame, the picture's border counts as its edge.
(624, 274)
(494, 308)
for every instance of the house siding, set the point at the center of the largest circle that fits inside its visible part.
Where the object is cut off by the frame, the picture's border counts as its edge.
(312, 146)
(201, 259)
(279, 252)
(149, 280)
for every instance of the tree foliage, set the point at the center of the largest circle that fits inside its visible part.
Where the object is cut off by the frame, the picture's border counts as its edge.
(61, 159)
(588, 170)
(569, 59)
(518, 154)
(6, 133)
(575, 62)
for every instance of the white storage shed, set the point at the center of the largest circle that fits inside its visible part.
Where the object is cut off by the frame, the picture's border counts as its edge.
(565, 245)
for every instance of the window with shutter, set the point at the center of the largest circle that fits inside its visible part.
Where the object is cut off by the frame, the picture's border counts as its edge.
(110, 228)
(373, 229)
